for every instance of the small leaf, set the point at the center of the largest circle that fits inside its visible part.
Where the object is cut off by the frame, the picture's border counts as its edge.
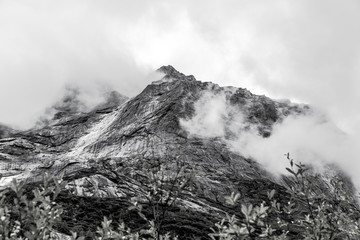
(291, 171)
(271, 194)
(237, 196)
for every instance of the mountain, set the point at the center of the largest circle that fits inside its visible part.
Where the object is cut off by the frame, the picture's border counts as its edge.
(106, 154)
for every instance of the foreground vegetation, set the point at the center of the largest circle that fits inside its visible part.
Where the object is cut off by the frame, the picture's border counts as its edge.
(311, 212)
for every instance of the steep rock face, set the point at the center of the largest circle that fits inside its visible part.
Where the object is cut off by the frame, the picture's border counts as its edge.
(105, 152)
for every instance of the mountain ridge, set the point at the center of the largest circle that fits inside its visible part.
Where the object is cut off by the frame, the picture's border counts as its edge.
(105, 152)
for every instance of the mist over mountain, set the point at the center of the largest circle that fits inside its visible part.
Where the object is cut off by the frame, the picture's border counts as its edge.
(233, 140)
(75, 101)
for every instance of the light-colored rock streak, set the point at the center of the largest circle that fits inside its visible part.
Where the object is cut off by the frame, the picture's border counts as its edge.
(6, 181)
(95, 133)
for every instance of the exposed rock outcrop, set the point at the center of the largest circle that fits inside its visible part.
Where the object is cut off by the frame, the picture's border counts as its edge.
(105, 152)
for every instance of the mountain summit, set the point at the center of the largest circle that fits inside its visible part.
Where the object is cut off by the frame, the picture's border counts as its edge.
(105, 153)
(171, 72)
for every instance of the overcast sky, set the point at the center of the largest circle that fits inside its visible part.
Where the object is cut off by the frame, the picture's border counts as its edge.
(304, 50)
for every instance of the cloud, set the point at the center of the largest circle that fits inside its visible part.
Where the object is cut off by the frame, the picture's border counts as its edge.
(311, 139)
(48, 45)
(215, 117)
(209, 120)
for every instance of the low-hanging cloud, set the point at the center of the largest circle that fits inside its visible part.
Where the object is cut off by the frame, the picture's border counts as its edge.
(47, 46)
(215, 117)
(209, 120)
(310, 138)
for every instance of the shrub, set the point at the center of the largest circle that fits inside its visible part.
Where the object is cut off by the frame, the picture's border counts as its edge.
(30, 216)
(316, 213)
(329, 213)
(33, 216)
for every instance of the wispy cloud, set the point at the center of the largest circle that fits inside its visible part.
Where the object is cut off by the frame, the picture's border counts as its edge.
(310, 138)
(48, 45)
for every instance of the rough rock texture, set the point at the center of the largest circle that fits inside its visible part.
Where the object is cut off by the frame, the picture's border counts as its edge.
(105, 152)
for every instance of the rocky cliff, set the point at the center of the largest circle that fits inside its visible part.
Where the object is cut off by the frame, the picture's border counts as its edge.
(106, 152)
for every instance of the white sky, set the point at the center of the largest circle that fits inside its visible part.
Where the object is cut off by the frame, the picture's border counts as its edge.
(306, 50)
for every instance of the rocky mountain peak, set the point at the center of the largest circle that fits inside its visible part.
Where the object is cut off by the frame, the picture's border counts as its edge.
(171, 72)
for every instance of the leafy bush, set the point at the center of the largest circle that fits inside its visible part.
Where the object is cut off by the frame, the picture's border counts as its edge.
(33, 216)
(321, 214)
(30, 217)
(312, 212)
